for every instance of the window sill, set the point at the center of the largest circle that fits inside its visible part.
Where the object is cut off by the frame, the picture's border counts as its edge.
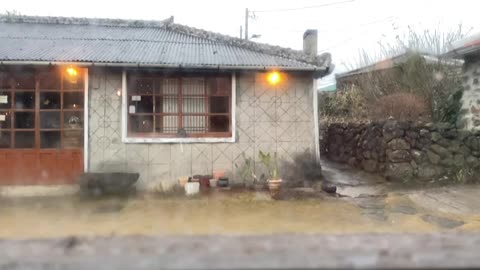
(178, 140)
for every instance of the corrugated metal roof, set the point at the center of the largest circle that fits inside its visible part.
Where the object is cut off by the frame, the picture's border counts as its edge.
(154, 46)
(468, 45)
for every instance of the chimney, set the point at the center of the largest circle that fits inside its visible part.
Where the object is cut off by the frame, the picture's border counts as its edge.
(310, 38)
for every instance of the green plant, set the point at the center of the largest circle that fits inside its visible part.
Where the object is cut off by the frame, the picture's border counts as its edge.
(270, 163)
(247, 169)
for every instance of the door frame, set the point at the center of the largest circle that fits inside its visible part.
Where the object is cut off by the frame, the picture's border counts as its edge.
(86, 110)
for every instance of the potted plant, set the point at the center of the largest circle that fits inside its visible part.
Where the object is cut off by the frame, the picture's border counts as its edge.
(247, 172)
(274, 181)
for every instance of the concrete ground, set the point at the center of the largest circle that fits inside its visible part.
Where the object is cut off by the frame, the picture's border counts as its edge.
(371, 251)
(370, 223)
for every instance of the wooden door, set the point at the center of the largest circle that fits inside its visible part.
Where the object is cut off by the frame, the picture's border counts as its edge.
(41, 126)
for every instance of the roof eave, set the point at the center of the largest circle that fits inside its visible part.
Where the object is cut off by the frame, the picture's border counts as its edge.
(177, 66)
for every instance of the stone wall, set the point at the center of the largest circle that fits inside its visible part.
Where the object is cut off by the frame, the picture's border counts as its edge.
(470, 111)
(267, 119)
(405, 150)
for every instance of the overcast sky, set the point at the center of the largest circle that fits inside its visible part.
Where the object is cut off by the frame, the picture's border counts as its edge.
(344, 26)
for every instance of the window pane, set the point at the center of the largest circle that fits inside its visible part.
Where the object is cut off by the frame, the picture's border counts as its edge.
(25, 100)
(194, 124)
(166, 124)
(73, 82)
(169, 87)
(25, 139)
(219, 86)
(73, 100)
(72, 138)
(141, 123)
(24, 80)
(193, 104)
(50, 139)
(5, 120)
(5, 100)
(50, 80)
(5, 137)
(219, 104)
(49, 100)
(143, 86)
(193, 86)
(50, 120)
(166, 104)
(24, 120)
(5, 81)
(73, 120)
(219, 123)
(144, 105)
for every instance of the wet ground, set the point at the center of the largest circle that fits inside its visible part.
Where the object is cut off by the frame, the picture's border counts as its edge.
(365, 204)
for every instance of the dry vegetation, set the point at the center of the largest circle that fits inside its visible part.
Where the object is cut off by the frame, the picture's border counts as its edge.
(418, 88)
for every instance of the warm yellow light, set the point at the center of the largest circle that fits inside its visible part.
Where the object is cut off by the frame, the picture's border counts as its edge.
(273, 77)
(72, 72)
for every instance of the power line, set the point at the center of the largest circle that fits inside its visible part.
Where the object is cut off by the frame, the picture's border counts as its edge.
(302, 8)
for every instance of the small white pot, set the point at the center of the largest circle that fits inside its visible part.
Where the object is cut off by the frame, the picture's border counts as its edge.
(213, 182)
(192, 188)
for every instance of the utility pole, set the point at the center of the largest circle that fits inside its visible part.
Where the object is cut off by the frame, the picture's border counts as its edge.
(246, 23)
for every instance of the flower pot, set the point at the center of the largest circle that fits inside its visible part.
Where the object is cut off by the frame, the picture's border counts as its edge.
(275, 186)
(183, 180)
(192, 188)
(223, 182)
(213, 182)
(205, 182)
(217, 174)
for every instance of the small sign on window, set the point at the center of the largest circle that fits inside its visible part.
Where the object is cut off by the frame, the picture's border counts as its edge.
(3, 99)
(2, 117)
(136, 98)
(131, 109)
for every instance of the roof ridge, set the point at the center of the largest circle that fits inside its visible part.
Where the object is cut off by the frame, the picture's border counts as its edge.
(322, 61)
(85, 21)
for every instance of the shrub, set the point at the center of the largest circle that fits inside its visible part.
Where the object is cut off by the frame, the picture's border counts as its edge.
(401, 106)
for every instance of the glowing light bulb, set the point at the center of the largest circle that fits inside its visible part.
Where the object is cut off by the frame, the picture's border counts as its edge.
(274, 78)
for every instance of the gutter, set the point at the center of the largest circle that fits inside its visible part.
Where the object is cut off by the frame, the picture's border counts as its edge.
(179, 66)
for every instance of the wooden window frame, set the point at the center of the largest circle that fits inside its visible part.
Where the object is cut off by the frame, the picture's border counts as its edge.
(37, 91)
(155, 137)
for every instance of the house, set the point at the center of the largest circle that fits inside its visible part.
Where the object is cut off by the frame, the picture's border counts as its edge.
(468, 49)
(154, 97)
(388, 69)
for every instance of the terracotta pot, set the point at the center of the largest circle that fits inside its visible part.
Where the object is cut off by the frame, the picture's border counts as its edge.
(205, 182)
(213, 182)
(275, 186)
(217, 174)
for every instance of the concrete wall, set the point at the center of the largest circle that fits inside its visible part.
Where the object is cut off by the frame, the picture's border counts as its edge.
(470, 112)
(267, 119)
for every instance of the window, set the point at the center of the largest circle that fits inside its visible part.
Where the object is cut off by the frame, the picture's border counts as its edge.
(40, 109)
(179, 107)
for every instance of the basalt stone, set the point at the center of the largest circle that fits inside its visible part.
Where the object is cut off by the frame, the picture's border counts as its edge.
(429, 171)
(108, 183)
(473, 143)
(442, 222)
(399, 171)
(436, 136)
(398, 156)
(418, 156)
(398, 144)
(433, 158)
(369, 165)
(472, 161)
(440, 150)
(392, 129)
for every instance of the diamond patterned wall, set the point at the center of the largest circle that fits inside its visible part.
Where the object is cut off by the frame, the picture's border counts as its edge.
(268, 118)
